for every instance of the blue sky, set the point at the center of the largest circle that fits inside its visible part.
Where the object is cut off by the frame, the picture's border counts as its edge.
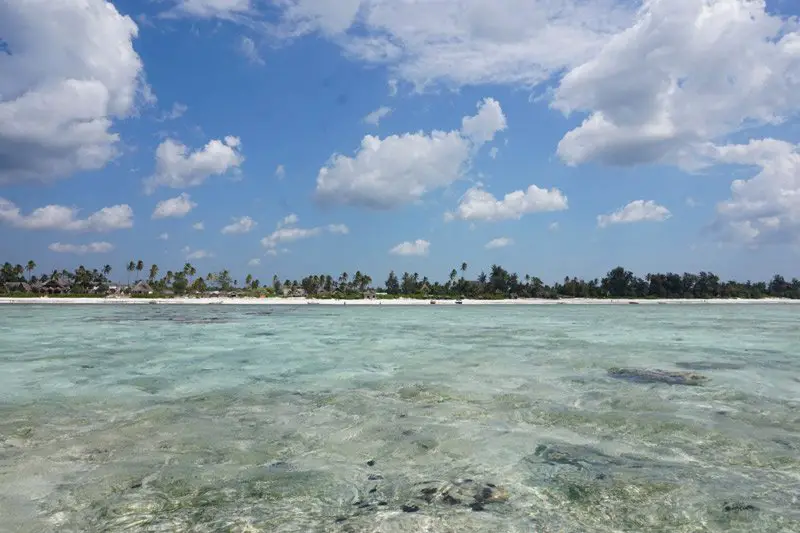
(618, 129)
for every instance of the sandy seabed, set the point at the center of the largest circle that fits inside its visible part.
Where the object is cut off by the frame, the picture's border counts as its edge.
(395, 302)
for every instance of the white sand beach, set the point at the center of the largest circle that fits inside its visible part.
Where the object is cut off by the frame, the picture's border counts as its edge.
(377, 302)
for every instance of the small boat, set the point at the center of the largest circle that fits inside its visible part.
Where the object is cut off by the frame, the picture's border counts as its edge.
(459, 302)
(433, 302)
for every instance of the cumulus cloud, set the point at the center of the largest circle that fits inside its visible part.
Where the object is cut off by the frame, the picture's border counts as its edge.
(764, 209)
(254, 262)
(683, 73)
(289, 220)
(164, 237)
(239, 226)
(198, 226)
(478, 204)
(196, 254)
(177, 207)
(63, 84)
(287, 232)
(178, 169)
(280, 172)
(400, 169)
(59, 217)
(553, 226)
(636, 211)
(500, 242)
(493, 152)
(489, 121)
(80, 249)
(419, 247)
(376, 116)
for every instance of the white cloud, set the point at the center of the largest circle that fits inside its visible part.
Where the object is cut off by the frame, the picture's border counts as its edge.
(400, 169)
(198, 226)
(254, 262)
(482, 127)
(478, 204)
(329, 17)
(289, 235)
(419, 247)
(636, 211)
(247, 47)
(289, 220)
(177, 207)
(59, 217)
(164, 237)
(376, 116)
(553, 226)
(339, 229)
(493, 152)
(691, 202)
(196, 254)
(764, 209)
(684, 72)
(463, 42)
(280, 172)
(70, 70)
(178, 169)
(392, 87)
(239, 226)
(286, 232)
(500, 242)
(80, 249)
(224, 9)
(177, 111)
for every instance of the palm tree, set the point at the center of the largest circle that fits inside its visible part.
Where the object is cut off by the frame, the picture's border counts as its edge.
(453, 275)
(30, 267)
(189, 270)
(139, 268)
(248, 280)
(106, 270)
(463, 268)
(153, 272)
(131, 267)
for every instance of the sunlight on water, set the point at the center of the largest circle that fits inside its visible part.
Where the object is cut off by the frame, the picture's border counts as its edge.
(546, 419)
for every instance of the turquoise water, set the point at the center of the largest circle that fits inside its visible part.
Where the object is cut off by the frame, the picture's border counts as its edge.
(228, 418)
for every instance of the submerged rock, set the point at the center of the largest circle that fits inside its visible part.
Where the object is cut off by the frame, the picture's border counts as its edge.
(638, 375)
(733, 507)
(465, 492)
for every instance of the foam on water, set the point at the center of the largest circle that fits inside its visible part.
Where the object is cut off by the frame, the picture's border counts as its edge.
(148, 418)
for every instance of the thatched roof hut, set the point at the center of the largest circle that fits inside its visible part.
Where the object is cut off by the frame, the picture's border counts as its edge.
(57, 285)
(141, 288)
(17, 286)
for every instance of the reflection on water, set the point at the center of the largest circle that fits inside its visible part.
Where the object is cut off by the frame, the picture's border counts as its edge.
(434, 419)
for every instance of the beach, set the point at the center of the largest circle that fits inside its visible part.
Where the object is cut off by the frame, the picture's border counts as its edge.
(385, 302)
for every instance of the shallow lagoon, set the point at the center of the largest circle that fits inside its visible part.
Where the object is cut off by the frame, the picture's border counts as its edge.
(312, 418)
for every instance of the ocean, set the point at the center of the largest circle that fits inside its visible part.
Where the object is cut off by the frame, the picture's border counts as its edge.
(383, 419)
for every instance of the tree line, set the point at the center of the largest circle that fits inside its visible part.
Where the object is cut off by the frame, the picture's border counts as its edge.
(495, 283)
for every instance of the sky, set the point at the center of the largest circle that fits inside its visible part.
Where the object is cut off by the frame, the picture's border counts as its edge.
(289, 137)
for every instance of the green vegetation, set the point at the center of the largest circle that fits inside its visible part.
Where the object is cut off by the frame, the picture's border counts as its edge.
(497, 284)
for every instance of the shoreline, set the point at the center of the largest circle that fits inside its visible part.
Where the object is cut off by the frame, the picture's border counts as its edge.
(378, 303)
